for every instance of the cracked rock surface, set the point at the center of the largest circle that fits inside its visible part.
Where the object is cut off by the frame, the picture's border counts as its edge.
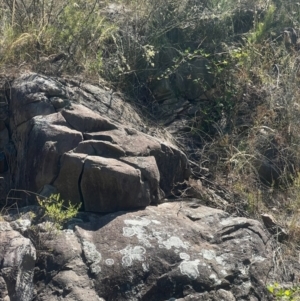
(87, 145)
(173, 251)
(60, 135)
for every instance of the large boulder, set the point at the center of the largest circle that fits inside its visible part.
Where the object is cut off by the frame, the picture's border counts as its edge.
(174, 251)
(88, 146)
(110, 185)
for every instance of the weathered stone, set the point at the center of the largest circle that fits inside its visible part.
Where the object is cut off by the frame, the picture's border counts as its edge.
(46, 143)
(58, 103)
(21, 225)
(41, 141)
(173, 167)
(69, 178)
(100, 148)
(171, 162)
(170, 252)
(47, 190)
(29, 97)
(110, 185)
(17, 261)
(30, 110)
(3, 290)
(5, 182)
(4, 137)
(107, 103)
(72, 283)
(133, 142)
(175, 251)
(3, 163)
(150, 173)
(85, 120)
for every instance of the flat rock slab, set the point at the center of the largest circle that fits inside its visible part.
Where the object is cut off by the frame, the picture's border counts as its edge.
(111, 185)
(160, 254)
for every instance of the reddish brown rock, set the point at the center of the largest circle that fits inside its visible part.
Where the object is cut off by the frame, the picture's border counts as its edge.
(85, 120)
(68, 180)
(47, 142)
(100, 148)
(150, 173)
(53, 134)
(110, 185)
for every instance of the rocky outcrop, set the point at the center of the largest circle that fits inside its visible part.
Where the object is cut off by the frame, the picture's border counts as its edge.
(174, 251)
(17, 261)
(86, 144)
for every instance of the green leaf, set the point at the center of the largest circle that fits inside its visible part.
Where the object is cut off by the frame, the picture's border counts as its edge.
(271, 288)
(287, 292)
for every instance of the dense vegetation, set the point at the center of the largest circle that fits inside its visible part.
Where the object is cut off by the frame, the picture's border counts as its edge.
(235, 62)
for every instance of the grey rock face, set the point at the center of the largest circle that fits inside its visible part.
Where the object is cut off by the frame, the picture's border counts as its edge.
(175, 251)
(17, 261)
(70, 137)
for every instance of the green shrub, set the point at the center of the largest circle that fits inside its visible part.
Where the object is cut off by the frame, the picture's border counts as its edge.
(284, 294)
(57, 211)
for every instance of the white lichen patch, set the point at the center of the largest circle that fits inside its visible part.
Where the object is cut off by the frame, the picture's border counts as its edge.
(145, 267)
(184, 256)
(109, 261)
(126, 261)
(90, 252)
(137, 230)
(257, 259)
(128, 232)
(243, 270)
(247, 284)
(21, 224)
(190, 268)
(175, 242)
(95, 269)
(211, 255)
(137, 222)
(220, 260)
(131, 254)
(208, 254)
(215, 279)
(154, 221)
(5, 226)
(92, 256)
(147, 236)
